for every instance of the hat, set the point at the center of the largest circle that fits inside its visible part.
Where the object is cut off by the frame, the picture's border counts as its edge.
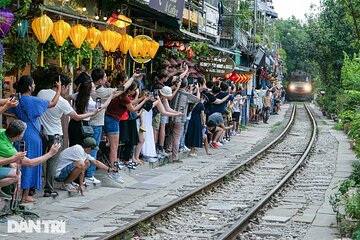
(90, 142)
(82, 78)
(148, 105)
(166, 91)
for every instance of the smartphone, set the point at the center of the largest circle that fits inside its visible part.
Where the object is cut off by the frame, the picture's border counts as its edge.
(57, 139)
(140, 70)
(121, 88)
(22, 146)
(195, 81)
(15, 96)
(98, 102)
(184, 64)
(151, 94)
(156, 92)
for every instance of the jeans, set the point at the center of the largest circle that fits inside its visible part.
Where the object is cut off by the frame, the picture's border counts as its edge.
(182, 140)
(51, 165)
(266, 114)
(97, 136)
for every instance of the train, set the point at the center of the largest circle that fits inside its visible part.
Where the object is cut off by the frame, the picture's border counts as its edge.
(299, 87)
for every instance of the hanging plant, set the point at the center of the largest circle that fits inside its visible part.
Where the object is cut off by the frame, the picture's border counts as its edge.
(24, 52)
(68, 51)
(97, 58)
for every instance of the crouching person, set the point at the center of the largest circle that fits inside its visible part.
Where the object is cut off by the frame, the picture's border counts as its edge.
(74, 161)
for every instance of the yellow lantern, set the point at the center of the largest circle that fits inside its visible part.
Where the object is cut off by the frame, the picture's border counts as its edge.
(136, 47)
(93, 38)
(106, 40)
(42, 28)
(154, 48)
(114, 46)
(60, 33)
(120, 20)
(77, 36)
(146, 47)
(125, 43)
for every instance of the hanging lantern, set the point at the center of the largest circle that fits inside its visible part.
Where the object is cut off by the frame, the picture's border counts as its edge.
(125, 43)
(93, 38)
(136, 47)
(233, 77)
(120, 20)
(60, 33)
(42, 28)
(77, 36)
(154, 48)
(106, 40)
(114, 46)
(6, 21)
(22, 27)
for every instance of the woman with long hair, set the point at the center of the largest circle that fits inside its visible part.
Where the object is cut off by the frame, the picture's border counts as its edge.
(117, 120)
(29, 110)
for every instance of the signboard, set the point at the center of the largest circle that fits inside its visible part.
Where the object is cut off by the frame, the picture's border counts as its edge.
(172, 8)
(218, 66)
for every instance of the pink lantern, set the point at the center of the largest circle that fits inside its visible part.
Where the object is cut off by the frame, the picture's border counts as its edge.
(6, 21)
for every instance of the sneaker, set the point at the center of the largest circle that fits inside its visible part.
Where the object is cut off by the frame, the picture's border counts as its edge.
(130, 165)
(193, 154)
(220, 143)
(92, 180)
(119, 165)
(214, 145)
(74, 184)
(68, 187)
(152, 159)
(187, 149)
(163, 153)
(116, 177)
(182, 150)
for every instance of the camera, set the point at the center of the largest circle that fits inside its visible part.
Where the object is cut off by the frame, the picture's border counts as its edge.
(57, 139)
(98, 102)
(22, 146)
(121, 88)
(15, 96)
(178, 79)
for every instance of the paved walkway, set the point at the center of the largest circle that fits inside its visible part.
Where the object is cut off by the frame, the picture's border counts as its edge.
(324, 225)
(107, 206)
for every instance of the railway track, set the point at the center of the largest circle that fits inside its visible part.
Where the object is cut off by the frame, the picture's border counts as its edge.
(223, 207)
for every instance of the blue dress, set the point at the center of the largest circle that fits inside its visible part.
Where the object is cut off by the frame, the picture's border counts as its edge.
(34, 107)
(194, 136)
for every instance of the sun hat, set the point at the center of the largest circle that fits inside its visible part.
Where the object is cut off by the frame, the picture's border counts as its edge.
(166, 91)
(90, 142)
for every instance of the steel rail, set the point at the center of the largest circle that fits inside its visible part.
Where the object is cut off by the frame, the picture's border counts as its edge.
(121, 231)
(243, 221)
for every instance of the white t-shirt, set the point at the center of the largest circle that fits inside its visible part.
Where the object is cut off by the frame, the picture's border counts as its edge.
(103, 93)
(90, 107)
(51, 119)
(70, 155)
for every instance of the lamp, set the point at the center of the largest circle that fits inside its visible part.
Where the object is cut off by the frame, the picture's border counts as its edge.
(77, 36)
(42, 27)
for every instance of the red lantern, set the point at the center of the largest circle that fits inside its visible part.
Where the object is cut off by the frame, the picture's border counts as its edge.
(233, 77)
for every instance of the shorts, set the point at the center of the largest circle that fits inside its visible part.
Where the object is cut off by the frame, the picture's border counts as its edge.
(156, 122)
(252, 105)
(236, 116)
(164, 119)
(4, 172)
(111, 125)
(65, 172)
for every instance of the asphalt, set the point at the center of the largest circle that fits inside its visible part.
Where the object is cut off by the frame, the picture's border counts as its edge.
(108, 205)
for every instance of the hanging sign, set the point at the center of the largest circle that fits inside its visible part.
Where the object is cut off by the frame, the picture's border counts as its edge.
(218, 66)
(173, 8)
(139, 51)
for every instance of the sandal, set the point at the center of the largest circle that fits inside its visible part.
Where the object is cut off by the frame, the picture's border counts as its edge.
(28, 200)
(50, 194)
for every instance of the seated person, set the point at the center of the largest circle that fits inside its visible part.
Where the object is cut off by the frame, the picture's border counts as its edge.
(74, 161)
(216, 126)
(10, 157)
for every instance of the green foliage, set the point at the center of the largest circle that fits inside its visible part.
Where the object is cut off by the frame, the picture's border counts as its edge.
(348, 116)
(356, 235)
(4, 3)
(352, 205)
(201, 49)
(98, 58)
(346, 185)
(348, 100)
(24, 51)
(350, 72)
(68, 51)
(355, 174)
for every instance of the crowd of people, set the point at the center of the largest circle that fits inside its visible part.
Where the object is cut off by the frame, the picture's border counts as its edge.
(139, 121)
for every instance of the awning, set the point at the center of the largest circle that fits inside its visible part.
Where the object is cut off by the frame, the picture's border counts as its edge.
(194, 36)
(223, 50)
(262, 7)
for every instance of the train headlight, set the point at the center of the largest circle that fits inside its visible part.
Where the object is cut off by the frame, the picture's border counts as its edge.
(292, 87)
(307, 87)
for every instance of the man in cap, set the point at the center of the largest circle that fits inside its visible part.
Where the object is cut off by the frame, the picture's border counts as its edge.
(74, 161)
